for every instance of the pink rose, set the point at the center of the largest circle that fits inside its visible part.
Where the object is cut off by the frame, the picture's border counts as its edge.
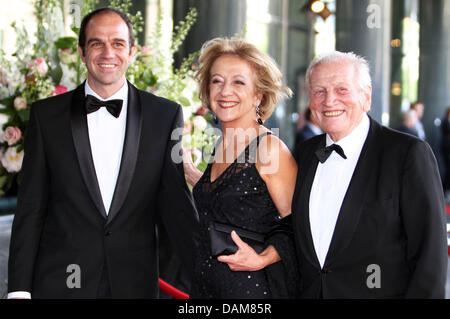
(39, 64)
(20, 103)
(11, 160)
(200, 123)
(12, 135)
(59, 89)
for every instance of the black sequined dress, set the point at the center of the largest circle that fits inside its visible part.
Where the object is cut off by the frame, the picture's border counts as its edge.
(239, 197)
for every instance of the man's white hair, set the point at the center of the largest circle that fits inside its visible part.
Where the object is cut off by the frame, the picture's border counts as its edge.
(361, 66)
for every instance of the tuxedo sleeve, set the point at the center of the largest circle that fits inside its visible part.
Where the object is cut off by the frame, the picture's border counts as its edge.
(283, 276)
(423, 211)
(31, 209)
(175, 203)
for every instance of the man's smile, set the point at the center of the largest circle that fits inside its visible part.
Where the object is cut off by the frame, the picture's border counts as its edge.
(333, 113)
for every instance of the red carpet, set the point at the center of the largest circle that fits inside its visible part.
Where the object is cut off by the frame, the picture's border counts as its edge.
(447, 210)
(172, 291)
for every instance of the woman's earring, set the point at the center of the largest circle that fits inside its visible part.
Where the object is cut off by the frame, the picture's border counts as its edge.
(258, 116)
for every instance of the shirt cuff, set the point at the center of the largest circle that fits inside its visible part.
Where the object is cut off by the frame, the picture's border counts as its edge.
(19, 294)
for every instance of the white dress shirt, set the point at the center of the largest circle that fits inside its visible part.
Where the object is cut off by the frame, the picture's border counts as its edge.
(330, 186)
(420, 130)
(106, 136)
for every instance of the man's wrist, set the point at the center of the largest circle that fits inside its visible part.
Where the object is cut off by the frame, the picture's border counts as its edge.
(19, 295)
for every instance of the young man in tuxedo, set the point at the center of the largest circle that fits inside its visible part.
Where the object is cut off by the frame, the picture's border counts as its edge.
(368, 209)
(97, 176)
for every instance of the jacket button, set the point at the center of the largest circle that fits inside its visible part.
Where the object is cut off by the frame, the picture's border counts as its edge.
(107, 233)
(324, 271)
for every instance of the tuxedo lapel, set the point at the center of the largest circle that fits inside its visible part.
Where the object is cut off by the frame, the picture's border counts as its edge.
(82, 144)
(130, 151)
(355, 196)
(301, 200)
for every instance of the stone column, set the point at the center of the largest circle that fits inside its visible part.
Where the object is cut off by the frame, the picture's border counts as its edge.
(215, 18)
(434, 65)
(364, 27)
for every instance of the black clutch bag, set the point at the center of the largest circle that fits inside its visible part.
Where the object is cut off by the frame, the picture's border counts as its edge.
(223, 244)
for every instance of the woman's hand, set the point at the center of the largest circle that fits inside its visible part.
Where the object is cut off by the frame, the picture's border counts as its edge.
(246, 258)
(191, 173)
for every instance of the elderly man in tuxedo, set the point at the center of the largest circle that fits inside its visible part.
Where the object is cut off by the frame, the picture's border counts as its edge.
(97, 177)
(368, 209)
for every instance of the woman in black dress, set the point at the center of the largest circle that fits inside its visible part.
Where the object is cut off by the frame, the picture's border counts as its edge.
(250, 180)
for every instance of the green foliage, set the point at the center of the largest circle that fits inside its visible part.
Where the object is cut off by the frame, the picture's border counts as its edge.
(136, 19)
(66, 43)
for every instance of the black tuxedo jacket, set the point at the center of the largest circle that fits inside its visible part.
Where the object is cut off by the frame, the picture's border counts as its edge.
(391, 223)
(61, 220)
(304, 134)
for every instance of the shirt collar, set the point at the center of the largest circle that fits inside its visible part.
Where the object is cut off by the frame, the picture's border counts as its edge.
(353, 143)
(121, 94)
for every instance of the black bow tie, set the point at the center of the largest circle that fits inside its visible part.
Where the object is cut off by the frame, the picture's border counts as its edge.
(113, 106)
(325, 152)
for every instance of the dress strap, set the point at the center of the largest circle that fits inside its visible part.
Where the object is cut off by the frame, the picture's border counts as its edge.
(251, 150)
(258, 138)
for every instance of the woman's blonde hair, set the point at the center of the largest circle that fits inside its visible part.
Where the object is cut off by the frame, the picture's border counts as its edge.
(268, 78)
